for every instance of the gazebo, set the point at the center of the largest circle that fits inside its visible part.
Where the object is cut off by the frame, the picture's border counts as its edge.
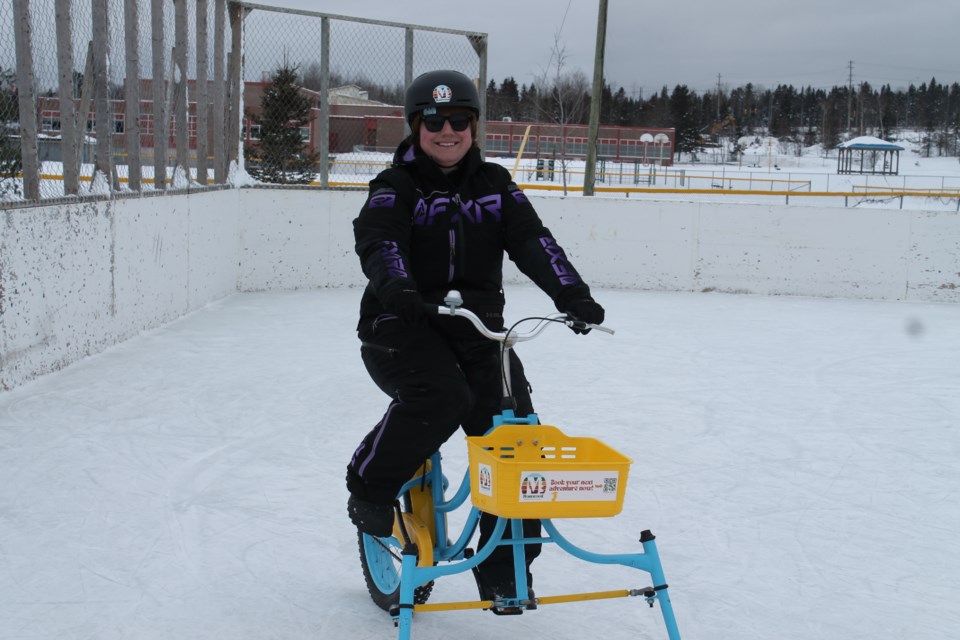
(876, 156)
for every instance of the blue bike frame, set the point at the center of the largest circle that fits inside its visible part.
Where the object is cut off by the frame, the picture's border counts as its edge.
(412, 576)
(458, 561)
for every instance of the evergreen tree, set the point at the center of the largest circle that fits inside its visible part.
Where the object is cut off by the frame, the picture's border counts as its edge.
(10, 163)
(834, 107)
(494, 108)
(281, 156)
(9, 101)
(529, 101)
(953, 119)
(510, 98)
(887, 108)
(684, 119)
(10, 158)
(802, 116)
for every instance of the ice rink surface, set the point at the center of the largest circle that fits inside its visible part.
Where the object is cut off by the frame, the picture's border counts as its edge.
(798, 460)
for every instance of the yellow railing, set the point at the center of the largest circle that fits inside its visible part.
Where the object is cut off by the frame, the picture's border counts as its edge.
(859, 192)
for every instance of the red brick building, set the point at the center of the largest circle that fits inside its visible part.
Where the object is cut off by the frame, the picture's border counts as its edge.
(360, 124)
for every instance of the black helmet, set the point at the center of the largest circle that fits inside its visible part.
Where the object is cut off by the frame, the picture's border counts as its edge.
(441, 89)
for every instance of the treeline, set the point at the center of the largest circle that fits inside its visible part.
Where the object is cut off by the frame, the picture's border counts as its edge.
(806, 116)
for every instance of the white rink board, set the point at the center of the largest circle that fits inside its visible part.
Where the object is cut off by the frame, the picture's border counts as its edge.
(77, 278)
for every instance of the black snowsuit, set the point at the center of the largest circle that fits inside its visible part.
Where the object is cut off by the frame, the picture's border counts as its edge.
(425, 230)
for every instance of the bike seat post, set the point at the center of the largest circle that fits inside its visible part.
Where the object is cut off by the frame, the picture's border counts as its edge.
(505, 368)
(437, 495)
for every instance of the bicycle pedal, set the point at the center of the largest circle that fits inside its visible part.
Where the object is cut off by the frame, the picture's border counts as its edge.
(504, 609)
(514, 607)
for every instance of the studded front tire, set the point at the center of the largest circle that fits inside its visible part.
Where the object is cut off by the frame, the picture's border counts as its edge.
(381, 560)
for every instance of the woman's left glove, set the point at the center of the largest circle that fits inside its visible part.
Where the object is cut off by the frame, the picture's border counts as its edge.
(407, 305)
(586, 310)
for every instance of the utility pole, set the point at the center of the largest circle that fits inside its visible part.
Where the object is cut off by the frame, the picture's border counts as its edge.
(849, 96)
(718, 96)
(589, 173)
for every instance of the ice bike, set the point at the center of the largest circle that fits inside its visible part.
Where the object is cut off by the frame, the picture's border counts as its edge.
(520, 469)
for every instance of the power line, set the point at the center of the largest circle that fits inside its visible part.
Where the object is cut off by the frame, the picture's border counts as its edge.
(563, 21)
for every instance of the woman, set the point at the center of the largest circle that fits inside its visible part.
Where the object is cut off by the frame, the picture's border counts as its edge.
(441, 218)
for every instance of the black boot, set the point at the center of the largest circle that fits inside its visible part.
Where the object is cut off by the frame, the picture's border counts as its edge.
(499, 585)
(373, 519)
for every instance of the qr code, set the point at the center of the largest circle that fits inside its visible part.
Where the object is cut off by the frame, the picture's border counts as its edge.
(609, 485)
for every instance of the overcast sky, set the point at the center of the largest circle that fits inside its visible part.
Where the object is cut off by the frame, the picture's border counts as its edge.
(652, 44)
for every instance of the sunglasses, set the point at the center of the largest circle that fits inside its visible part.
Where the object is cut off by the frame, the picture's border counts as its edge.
(458, 122)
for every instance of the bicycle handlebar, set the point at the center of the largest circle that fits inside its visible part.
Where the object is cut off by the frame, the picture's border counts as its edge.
(453, 308)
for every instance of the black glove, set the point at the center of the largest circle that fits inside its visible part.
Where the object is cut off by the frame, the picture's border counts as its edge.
(407, 304)
(585, 310)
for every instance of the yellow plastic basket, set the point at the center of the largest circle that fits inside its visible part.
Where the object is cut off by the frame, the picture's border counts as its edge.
(536, 471)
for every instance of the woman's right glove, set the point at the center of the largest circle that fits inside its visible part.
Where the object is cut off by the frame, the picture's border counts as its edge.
(586, 310)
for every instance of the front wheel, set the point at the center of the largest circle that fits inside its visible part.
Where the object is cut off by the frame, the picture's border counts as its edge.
(381, 560)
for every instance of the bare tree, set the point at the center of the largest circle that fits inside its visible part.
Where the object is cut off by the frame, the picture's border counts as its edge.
(563, 99)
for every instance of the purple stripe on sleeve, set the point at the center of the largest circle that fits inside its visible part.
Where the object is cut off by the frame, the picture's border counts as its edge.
(382, 200)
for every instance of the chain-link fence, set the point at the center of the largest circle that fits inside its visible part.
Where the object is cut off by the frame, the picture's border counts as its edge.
(361, 66)
(98, 89)
(93, 94)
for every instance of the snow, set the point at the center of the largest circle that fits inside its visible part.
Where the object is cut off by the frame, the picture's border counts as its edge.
(769, 167)
(869, 141)
(100, 185)
(180, 179)
(795, 457)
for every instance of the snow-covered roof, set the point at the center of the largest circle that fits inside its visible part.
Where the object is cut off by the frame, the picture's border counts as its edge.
(869, 142)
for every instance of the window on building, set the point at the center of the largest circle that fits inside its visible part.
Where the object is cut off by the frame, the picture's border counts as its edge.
(549, 145)
(497, 143)
(50, 121)
(576, 147)
(630, 149)
(606, 147)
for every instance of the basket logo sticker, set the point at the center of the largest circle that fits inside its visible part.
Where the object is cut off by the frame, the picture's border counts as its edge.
(570, 486)
(485, 479)
(442, 93)
(533, 486)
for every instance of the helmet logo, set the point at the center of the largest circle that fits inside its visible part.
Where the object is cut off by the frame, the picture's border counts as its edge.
(442, 93)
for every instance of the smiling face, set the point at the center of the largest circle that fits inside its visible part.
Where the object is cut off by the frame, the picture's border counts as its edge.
(447, 147)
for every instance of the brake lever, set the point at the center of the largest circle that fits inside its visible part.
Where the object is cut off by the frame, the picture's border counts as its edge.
(580, 324)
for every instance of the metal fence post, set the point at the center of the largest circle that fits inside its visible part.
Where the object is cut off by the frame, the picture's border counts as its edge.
(325, 102)
(83, 114)
(408, 66)
(234, 82)
(68, 113)
(219, 92)
(131, 120)
(179, 79)
(160, 119)
(26, 100)
(201, 92)
(103, 163)
(480, 46)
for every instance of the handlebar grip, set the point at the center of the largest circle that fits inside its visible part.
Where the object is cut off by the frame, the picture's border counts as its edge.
(581, 325)
(430, 308)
